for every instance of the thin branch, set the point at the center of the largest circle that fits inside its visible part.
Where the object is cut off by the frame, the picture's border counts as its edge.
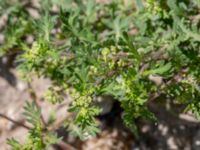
(64, 146)
(34, 97)
(14, 121)
(59, 42)
(112, 73)
(57, 124)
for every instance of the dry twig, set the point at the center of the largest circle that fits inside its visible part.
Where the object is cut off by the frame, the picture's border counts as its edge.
(14, 121)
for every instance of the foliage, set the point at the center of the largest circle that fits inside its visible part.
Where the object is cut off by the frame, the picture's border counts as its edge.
(36, 139)
(111, 49)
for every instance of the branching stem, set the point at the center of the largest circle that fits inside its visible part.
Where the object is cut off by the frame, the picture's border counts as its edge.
(14, 121)
(34, 98)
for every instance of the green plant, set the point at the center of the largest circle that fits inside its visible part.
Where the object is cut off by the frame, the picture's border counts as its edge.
(37, 139)
(114, 49)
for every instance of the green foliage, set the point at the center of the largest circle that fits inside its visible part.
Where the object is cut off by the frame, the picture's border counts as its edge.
(32, 114)
(14, 144)
(36, 139)
(112, 49)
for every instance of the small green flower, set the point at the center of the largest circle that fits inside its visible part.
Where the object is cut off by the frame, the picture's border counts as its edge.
(105, 52)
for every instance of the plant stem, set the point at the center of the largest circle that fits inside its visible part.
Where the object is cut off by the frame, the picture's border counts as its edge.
(14, 121)
(34, 98)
